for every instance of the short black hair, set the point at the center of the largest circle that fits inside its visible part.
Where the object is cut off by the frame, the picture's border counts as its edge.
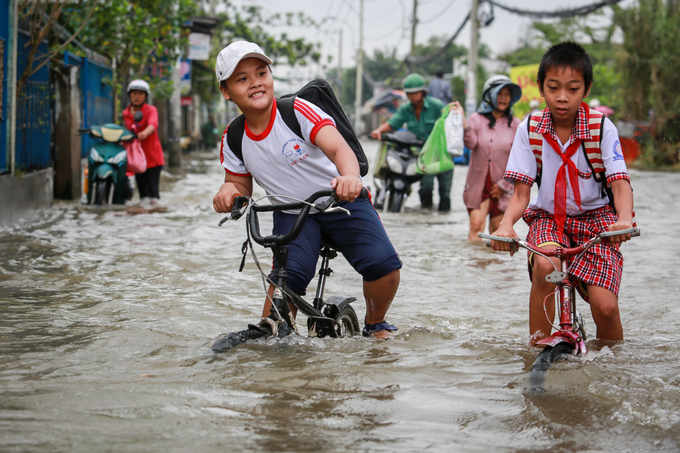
(440, 74)
(566, 55)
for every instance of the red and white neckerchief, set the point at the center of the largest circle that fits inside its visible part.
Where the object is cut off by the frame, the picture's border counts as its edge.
(568, 169)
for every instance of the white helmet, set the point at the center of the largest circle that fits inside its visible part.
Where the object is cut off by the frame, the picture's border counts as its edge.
(496, 80)
(139, 85)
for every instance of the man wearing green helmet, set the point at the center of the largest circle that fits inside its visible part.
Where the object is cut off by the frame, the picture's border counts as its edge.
(420, 114)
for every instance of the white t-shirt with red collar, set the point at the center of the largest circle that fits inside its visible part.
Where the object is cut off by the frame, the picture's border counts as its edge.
(281, 162)
(522, 167)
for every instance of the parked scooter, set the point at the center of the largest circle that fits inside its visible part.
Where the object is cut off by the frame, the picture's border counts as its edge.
(107, 164)
(397, 170)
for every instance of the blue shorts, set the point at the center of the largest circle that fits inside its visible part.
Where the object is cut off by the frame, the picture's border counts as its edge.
(361, 238)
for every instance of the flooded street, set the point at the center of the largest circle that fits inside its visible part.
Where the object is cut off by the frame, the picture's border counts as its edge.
(106, 322)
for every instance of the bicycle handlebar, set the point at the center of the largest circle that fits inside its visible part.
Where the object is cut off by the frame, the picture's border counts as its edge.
(560, 251)
(241, 203)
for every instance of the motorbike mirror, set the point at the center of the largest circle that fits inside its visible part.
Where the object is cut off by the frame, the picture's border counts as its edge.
(138, 116)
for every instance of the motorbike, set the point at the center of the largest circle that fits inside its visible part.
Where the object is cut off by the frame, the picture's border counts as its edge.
(107, 164)
(397, 170)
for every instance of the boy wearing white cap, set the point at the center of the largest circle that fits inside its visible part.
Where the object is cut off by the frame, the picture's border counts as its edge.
(288, 166)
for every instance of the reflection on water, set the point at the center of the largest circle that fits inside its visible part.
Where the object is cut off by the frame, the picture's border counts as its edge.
(106, 321)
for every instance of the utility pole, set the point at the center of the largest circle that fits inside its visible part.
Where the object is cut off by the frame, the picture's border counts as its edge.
(339, 58)
(414, 25)
(471, 95)
(358, 129)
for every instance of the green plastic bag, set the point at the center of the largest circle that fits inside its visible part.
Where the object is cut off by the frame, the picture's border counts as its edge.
(434, 157)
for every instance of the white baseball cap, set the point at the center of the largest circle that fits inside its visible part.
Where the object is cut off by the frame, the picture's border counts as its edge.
(231, 56)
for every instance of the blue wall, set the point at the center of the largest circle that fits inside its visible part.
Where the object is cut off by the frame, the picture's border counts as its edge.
(4, 111)
(96, 95)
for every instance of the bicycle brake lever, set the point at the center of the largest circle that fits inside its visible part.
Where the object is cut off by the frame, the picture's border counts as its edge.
(338, 208)
(234, 215)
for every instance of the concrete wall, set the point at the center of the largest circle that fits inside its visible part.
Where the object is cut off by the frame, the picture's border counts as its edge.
(67, 179)
(22, 197)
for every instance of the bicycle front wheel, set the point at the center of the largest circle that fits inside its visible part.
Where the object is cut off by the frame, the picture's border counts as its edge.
(548, 356)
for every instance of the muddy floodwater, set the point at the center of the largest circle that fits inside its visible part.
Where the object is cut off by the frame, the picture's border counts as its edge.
(106, 322)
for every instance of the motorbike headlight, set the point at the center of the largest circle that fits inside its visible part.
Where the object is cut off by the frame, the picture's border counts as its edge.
(393, 164)
(95, 156)
(411, 169)
(399, 184)
(118, 158)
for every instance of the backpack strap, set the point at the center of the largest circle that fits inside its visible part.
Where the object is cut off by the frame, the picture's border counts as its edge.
(235, 132)
(593, 151)
(286, 106)
(536, 143)
(592, 148)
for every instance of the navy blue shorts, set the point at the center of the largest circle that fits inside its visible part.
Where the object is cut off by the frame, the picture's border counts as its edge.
(361, 238)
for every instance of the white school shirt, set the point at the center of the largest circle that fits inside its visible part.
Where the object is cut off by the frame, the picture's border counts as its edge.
(522, 166)
(281, 162)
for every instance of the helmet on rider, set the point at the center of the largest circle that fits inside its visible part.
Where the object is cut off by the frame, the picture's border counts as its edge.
(139, 85)
(414, 83)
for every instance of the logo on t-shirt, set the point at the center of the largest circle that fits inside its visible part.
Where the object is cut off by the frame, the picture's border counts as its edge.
(618, 155)
(294, 150)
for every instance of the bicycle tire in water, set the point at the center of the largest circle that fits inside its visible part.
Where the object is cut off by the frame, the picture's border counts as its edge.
(347, 322)
(233, 339)
(548, 356)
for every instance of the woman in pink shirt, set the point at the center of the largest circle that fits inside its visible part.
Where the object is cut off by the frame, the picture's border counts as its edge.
(147, 182)
(489, 133)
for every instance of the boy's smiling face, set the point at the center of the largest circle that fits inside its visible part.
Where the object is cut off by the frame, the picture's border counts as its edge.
(251, 86)
(564, 90)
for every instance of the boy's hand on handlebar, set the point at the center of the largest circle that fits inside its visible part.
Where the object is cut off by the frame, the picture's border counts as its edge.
(347, 188)
(224, 200)
(504, 246)
(619, 225)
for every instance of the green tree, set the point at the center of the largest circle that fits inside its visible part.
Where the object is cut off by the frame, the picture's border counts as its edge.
(595, 37)
(136, 35)
(650, 77)
(252, 23)
(41, 19)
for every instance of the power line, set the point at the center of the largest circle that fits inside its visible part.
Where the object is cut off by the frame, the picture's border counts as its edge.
(580, 11)
(413, 60)
(438, 15)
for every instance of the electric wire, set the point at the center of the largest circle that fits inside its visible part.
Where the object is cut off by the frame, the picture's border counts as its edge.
(579, 11)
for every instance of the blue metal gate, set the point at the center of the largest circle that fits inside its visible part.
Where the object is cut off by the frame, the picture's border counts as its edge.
(34, 113)
(4, 59)
(96, 95)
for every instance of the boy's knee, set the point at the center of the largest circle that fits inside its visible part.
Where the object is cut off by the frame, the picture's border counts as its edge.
(606, 309)
(541, 268)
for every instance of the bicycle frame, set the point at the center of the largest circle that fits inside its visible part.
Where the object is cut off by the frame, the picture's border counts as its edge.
(278, 244)
(571, 329)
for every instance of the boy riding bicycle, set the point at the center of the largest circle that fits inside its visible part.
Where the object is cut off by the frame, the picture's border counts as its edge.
(567, 149)
(287, 166)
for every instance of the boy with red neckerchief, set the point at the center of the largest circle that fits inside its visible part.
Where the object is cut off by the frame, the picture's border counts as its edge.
(570, 207)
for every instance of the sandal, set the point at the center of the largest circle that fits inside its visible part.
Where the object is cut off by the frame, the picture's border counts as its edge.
(370, 329)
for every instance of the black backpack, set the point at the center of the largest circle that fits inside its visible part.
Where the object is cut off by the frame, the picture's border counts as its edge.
(319, 93)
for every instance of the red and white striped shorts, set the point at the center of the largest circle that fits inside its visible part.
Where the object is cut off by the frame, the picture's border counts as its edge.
(601, 265)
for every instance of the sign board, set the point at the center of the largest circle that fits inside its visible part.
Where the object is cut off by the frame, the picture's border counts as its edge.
(184, 75)
(525, 77)
(200, 45)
